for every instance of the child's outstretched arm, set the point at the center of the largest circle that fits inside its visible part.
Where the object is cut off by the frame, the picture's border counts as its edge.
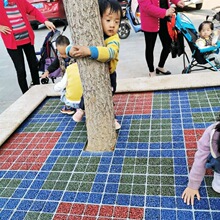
(197, 172)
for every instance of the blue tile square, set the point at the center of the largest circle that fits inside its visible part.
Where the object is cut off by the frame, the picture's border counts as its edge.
(137, 201)
(214, 204)
(101, 177)
(6, 214)
(202, 215)
(118, 152)
(25, 205)
(12, 203)
(37, 206)
(116, 169)
(168, 214)
(111, 188)
(18, 215)
(19, 193)
(202, 204)
(43, 194)
(31, 194)
(95, 198)
(153, 201)
(152, 213)
(103, 168)
(98, 187)
(184, 215)
(69, 196)
(113, 178)
(37, 184)
(55, 195)
(82, 197)
(3, 201)
(168, 202)
(123, 199)
(109, 199)
(50, 207)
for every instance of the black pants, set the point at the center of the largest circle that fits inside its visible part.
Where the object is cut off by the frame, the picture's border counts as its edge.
(113, 81)
(150, 39)
(17, 57)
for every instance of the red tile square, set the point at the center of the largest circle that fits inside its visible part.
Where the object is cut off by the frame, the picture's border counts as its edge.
(136, 213)
(120, 212)
(106, 211)
(91, 210)
(64, 207)
(77, 209)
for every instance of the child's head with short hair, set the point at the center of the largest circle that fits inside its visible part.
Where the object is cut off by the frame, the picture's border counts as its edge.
(111, 14)
(205, 29)
(61, 43)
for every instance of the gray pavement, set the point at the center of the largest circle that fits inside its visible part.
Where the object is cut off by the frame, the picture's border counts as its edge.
(132, 63)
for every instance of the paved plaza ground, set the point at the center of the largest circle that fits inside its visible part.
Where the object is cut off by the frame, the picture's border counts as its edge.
(46, 174)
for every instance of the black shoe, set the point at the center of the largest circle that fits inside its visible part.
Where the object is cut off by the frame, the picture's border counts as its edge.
(164, 73)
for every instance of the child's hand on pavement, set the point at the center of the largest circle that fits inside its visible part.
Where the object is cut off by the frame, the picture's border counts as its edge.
(189, 194)
(5, 29)
(79, 52)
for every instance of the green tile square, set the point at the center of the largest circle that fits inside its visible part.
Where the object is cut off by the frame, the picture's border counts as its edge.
(167, 191)
(80, 168)
(130, 161)
(45, 216)
(14, 183)
(88, 177)
(134, 133)
(166, 161)
(153, 190)
(138, 189)
(154, 180)
(73, 186)
(128, 169)
(139, 179)
(167, 180)
(154, 169)
(53, 176)
(62, 160)
(133, 139)
(77, 177)
(85, 187)
(166, 170)
(141, 161)
(48, 185)
(166, 138)
(155, 133)
(72, 160)
(32, 215)
(154, 161)
(125, 189)
(140, 169)
(94, 160)
(57, 167)
(134, 127)
(84, 160)
(126, 179)
(154, 139)
(68, 167)
(211, 193)
(65, 176)
(7, 192)
(91, 168)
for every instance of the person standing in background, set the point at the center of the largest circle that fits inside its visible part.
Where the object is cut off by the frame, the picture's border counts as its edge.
(154, 15)
(18, 36)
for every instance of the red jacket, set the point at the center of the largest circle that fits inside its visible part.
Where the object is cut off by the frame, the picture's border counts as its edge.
(151, 13)
(25, 8)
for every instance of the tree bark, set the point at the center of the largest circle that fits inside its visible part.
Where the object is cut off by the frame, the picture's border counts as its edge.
(85, 27)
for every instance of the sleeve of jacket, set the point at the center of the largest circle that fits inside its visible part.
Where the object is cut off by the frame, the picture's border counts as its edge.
(54, 65)
(107, 53)
(31, 10)
(198, 169)
(61, 85)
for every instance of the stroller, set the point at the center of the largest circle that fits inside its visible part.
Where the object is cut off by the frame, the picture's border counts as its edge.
(47, 55)
(184, 28)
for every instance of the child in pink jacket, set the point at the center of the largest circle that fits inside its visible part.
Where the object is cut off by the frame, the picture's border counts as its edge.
(207, 156)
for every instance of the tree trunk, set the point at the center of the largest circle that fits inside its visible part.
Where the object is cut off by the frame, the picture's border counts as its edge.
(85, 27)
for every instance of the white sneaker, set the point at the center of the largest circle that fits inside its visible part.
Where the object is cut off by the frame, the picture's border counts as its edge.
(216, 182)
(117, 125)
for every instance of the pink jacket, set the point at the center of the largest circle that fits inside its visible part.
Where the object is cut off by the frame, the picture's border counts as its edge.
(25, 8)
(151, 13)
(197, 172)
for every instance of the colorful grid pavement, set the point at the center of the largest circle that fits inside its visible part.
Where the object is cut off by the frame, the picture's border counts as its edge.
(46, 174)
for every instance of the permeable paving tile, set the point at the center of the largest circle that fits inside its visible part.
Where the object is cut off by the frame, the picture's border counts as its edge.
(46, 174)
